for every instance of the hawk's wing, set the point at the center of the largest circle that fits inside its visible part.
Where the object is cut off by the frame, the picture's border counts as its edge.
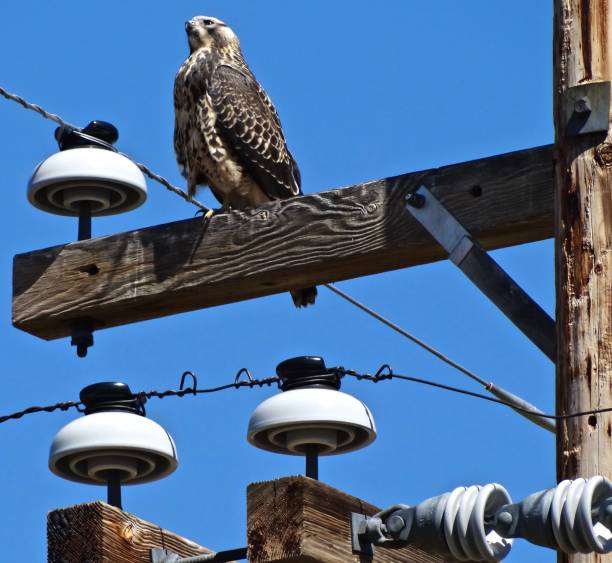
(248, 121)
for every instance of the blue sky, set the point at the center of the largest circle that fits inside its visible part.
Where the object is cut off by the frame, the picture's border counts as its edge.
(364, 90)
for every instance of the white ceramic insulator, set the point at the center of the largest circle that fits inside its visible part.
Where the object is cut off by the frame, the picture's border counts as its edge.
(571, 512)
(110, 182)
(464, 523)
(334, 421)
(87, 448)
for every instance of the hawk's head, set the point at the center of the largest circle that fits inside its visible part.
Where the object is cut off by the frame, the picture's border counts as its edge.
(206, 31)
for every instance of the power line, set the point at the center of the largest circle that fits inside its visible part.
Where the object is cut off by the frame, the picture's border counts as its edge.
(381, 376)
(142, 396)
(32, 410)
(532, 412)
(143, 168)
(384, 373)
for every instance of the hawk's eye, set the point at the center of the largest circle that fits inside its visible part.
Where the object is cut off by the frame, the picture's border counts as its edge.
(209, 22)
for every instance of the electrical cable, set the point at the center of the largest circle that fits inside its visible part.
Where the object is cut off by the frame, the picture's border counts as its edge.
(144, 395)
(406, 334)
(64, 124)
(391, 375)
(32, 410)
(520, 405)
(160, 179)
(384, 373)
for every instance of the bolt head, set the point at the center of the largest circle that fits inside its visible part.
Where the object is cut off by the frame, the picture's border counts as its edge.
(395, 524)
(582, 105)
(415, 200)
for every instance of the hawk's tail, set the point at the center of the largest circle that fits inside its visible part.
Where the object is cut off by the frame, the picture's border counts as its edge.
(304, 297)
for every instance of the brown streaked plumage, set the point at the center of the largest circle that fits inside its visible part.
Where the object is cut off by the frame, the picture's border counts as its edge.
(227, 134)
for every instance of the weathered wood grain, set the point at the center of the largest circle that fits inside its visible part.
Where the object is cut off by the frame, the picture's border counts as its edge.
(326, 237)
(300, 520)
(583, 177)
(100, 533)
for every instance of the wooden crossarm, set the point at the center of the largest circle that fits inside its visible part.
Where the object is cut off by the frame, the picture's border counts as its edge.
(335, 235)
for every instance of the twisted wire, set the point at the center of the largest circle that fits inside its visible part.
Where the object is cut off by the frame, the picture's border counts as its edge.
(62, 123)
(35, 107)
(31, 410)
(194, 391)
(384, 373)
(142, 396)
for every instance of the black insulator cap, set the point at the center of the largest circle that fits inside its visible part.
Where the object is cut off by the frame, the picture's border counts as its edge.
(110, 396)
(306, 371)
(70, 139)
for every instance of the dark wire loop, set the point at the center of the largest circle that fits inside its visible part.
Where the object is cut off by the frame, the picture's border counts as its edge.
(140, 399)
(194, 380)
(384, 372)
(250, 380)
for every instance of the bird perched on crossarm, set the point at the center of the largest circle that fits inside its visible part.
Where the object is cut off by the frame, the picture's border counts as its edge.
(227, 134)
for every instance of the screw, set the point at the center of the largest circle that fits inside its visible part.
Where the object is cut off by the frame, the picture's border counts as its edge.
(582, 105)
(415, 200)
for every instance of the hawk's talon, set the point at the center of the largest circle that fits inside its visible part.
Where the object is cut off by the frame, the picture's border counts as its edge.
(207, 213)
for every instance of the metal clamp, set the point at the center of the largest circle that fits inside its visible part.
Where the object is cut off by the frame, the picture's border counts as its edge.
(483, 271)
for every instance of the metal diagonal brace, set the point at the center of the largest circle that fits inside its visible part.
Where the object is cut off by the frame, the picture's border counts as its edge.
(159, 555)
(483, 271)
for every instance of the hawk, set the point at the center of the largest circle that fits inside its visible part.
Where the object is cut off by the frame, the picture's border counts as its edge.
(227, 134)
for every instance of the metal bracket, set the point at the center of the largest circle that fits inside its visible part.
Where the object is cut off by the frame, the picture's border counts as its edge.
(586, 108)
(483, 271)
(358, 529)
(159, 555)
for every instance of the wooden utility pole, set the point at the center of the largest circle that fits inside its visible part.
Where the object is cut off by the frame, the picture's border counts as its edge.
(583, 217)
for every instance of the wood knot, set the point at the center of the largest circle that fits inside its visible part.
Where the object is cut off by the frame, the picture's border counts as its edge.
(128, 533)
(371, 207)
(603, 154)
(263, 215)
